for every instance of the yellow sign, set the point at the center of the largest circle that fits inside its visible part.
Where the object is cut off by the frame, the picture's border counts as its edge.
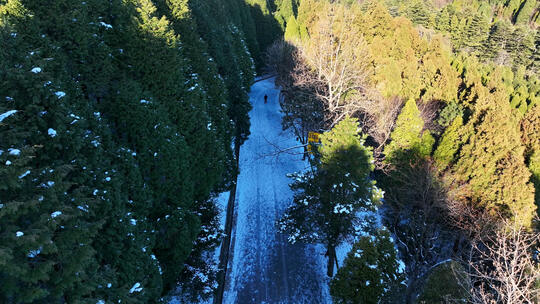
(313, 139)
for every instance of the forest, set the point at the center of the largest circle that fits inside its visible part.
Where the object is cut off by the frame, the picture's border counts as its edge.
(121, 121)
(446, 95)
(106, 106)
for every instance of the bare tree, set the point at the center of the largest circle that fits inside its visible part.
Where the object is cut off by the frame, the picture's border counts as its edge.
(303, 110)
(338, 56)
(378, 117)
(502, 266)
(415, 214)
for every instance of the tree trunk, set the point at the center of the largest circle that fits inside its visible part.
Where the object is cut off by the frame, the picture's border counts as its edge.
(331, 260)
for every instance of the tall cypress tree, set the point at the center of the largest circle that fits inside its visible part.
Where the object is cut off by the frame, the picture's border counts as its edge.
(327, 200)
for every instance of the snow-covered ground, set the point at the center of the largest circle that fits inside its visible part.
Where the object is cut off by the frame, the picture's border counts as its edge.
(264, 268)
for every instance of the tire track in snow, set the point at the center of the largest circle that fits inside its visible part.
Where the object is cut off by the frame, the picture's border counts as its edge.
(285, 273)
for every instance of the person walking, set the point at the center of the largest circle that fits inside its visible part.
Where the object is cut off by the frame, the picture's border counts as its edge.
(265, 98)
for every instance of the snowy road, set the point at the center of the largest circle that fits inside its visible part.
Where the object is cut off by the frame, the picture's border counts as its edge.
(263, 267)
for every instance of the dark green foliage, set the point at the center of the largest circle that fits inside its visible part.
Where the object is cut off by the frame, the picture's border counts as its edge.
(267, 27)
(419, 12)
(476, 32)
(326, 200)
(371, 272)
(499, 36)
(449, 113)
(446, 283)
(228, 47)
(105, 188)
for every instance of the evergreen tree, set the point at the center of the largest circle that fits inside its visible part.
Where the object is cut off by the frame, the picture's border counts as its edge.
(292, 32)
(326, 200)
(443, 20)
(530, 132)
(408, 140)
(370, 272)
(266, 25)
(476, 32)
(110, 104)
(449, 144)
(285, 10)
(523, 15)
(502, 184)
(498, 39)
(521, 46)
(419, 13)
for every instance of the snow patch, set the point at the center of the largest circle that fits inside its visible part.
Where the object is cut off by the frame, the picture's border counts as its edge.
(34, 253)
(136, 288)
(15, 152)
(105, 25)
(51, 132)
(24, 174)
(83, 208)
(7, 114)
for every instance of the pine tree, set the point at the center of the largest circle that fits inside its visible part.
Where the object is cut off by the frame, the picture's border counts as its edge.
(498, 39)
(326, 200)
(292, 32)
(523, 15)
(491, 167)
(408, 140)
(476, 32)
(419, 13)
(285, 10)
(449, 144)
(521, 46)
(370, 272)
(111, 107)
(443, 20)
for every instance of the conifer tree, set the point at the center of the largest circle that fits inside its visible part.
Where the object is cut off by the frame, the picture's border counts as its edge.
(448, 144)
(408, 140)
(476, 32)
(521, 46)
(419, 13)
(108, 107)
(523, 15)
(370, 272)
(530, 132)
(498, 39)
(284, 11)
(443, 20)
(326, 200)
(502, 182)
(292, 32)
